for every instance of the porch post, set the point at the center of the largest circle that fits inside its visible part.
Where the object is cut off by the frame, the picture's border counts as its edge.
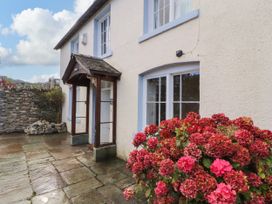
(87, 108)
(73, 110)
(97, 112)
(114, 110)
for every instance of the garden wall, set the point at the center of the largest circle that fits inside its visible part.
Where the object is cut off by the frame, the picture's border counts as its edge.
(19, 107)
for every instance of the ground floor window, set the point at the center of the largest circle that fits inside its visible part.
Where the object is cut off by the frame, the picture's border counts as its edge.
(156, 100)
(170, 93)
(185, 94)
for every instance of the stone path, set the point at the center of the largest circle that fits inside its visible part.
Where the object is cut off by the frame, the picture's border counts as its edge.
(47, 170)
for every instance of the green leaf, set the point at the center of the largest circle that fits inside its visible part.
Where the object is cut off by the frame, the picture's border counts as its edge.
(236, 165)
(207, 162)
(178, 143)
(147, 193)
(262, 175)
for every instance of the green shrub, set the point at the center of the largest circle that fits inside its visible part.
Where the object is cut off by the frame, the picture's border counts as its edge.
(50, 103)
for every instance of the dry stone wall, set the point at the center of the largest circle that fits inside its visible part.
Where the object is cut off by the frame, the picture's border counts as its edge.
(18, 109)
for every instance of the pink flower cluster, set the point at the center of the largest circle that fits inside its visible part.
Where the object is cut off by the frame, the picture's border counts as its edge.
(166, 167)
(186, 164)
(192, 150)
(189, 188)
(161, 189)
(243, 137)
(214, 160)
(219, 167)
(237, 180)
(128, 193)
(223, 194)
(152, 143)
(139, 139)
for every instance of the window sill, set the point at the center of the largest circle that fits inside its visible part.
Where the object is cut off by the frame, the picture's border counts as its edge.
(109, 54)
(188, 17)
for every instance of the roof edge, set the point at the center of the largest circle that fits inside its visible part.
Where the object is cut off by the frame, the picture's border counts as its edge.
(96, 5)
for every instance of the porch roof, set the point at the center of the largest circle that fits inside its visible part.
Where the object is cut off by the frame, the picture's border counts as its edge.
(81, 67)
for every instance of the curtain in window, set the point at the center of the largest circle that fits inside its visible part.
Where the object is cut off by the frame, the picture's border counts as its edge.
(181, 7)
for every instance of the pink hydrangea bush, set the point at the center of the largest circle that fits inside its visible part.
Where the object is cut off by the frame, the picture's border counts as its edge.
(202, 160)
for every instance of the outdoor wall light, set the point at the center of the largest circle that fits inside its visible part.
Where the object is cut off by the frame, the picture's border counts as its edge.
(179, 53)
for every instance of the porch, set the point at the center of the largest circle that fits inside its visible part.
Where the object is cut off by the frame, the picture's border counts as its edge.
(94, 103)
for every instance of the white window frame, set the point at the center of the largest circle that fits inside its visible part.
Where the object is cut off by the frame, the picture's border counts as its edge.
(172, 15)
(181, 101)
(150, 31)
(159, 99)
(169, 73)
(99, 39)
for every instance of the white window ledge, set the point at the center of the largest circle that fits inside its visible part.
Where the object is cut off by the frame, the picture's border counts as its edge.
(108, 54)
(188, 17)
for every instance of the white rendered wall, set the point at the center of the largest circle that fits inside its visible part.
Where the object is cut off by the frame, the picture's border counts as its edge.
(231, 39)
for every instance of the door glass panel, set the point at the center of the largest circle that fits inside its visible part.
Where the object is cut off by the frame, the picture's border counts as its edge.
(80, 125)
(106, 91)
(81, 109)
(189, 107)
(190, 87)
(106, 112)
(106, 130)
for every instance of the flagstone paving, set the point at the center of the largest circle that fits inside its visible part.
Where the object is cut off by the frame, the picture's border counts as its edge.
(47, 170)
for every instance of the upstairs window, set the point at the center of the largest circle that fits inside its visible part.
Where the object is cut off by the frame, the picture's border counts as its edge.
(166, 11)
(75, 46)
(102, 30)
(163, 15)
(104, 35)
(161, 12)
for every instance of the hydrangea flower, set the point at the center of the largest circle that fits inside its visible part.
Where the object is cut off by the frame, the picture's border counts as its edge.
(186, 164)
(222, 194)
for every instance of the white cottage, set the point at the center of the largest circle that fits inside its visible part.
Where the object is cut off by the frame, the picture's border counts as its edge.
(128, 63)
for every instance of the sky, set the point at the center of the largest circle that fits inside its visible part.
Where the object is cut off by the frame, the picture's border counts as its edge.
(29, 31)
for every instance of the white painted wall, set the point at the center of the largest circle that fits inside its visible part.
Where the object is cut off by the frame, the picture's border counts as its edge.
(231, 40)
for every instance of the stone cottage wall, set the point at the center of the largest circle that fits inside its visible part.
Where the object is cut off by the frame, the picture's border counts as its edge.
(18, 109)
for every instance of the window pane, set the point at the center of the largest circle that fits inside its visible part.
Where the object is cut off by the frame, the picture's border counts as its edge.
(190, 87)
(80, 125)
(106, 112)
(161, 4)
(156, 20)
(182, 7)
(176, 110)
(156, 5)
(163, 89)
(106, 131)
(152, 113)
(176, 86)
(163, 112)
(161, 17)
(106, 90)
(167, 11)
(153, 89)
(189, 107)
